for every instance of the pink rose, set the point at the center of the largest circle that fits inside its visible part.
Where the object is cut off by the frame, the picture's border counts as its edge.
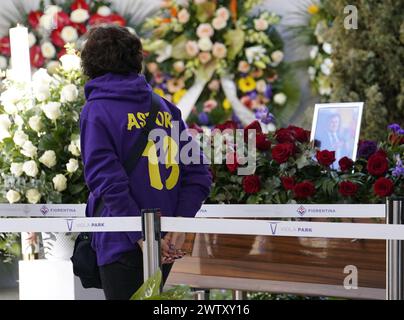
(260, 24)
(223, 13)
(219, 23)
(214, 85)
(183, 16)
(191, 48)
(243, 66)
(209, 105)
(152, 67)
(205, 57)
(204, 30)
(219, 50)
(179, 66)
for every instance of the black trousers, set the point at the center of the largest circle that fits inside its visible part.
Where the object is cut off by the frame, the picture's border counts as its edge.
(121, 279)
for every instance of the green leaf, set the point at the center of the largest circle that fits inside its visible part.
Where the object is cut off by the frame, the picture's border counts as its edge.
(205, 11)
(150, 288)
(234, 40)
(76, 188)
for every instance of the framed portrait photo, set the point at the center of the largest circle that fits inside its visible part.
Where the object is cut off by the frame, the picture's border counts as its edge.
(336, 127)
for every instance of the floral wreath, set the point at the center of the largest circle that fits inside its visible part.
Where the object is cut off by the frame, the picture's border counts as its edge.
(211, 57)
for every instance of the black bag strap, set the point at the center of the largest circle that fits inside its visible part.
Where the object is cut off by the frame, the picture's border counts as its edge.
(139, 147)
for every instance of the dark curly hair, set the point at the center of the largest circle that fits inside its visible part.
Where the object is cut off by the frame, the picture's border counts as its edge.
(110, 48)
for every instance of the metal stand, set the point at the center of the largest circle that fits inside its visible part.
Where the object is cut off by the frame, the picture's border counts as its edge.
(151, 229)
(395, 252)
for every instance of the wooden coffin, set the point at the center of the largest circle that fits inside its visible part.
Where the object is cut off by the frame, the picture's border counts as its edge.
(308, 266)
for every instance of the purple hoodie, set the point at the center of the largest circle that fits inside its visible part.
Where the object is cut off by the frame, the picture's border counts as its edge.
(111, 122)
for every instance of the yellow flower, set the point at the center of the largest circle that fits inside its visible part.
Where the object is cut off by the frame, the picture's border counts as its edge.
(178, 95)
(313, 9)
(247, 84)
(159, 92)
(226, 104)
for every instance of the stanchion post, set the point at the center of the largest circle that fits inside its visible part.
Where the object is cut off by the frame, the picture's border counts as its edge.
(395, 251)
(151, 229)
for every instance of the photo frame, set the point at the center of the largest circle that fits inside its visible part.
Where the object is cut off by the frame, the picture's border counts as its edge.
(336, 127)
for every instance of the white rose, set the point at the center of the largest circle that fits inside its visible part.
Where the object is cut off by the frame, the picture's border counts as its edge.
(70, 62)
(260, 24)
(13, 196)
(9, 98)
(79, 16)
(29, 150)
(16, 169)
(60, 182)
(223, 13)
(205, 44)
(219, 23)
(327, 47)
(33, 195)
(72, 165)
(254, 53)
(3, 63)
(73, 149)
(41, 76)
(52, 110)
(48, 50)
(48, 158)
(41, 92)
(277, 57)
(20, 138)
(104, 11)
(261, 86)
(19, 121)
(179, 66)
(31, 39)
(5, 122)
(183, 16)
(35, 123)
(46, 22)
(52, 10)
(69, 34)
(30, 168)
(313, 52)
(4, 133)
(280, 98)
(69, 93)
(326, 66)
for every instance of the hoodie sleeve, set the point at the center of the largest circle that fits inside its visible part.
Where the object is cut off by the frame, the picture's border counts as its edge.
(195, 184)
(104, 174)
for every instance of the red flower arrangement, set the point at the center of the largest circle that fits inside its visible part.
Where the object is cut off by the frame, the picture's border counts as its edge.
(53, 28)
(294, 170)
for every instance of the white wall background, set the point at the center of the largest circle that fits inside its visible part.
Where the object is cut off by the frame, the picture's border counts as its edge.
(139, 9)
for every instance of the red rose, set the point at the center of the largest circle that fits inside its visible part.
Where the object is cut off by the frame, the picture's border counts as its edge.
(5, 48)
(251, 184)
(263, 143)
(80, 27)
(345, 164)
(378, 164)
(304, 190)
(37, 59)
(195, 127)
(288, 183)
(112, 18)
(33, 18)
(282, 152)
(396, 139)
(300, 134)
(255, 125)
(231, 162)
(62, 20)
(284, 135)
(227, 125)
(383, 187)
(347, 188)
(79, 4)
(325, 157)
(56, 38)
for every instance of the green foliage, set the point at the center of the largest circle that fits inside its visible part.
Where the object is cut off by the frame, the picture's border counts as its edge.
(368, 61)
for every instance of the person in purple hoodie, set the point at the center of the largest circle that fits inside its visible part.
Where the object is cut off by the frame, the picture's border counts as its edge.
(117, 107)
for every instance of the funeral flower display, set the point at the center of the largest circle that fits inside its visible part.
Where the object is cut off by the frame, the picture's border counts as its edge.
(290, 170)
(216, 58)
(52, 27)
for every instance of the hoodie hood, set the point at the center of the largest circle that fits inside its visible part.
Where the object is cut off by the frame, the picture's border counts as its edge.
(132, 87)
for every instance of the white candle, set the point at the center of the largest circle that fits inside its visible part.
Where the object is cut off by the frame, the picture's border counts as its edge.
(20, 57)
